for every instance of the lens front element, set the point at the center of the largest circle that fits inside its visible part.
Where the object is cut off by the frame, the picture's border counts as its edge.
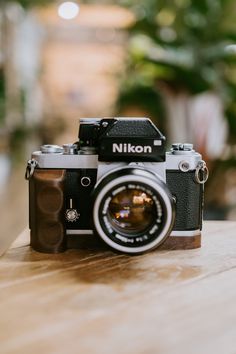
(133, 210)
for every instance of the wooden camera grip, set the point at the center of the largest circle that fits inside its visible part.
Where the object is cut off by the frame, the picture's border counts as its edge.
(48, 232)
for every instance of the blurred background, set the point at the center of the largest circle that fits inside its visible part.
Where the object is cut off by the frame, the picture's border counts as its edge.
(173, 61)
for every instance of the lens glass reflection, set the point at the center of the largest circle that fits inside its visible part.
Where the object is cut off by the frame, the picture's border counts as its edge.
(131, 211)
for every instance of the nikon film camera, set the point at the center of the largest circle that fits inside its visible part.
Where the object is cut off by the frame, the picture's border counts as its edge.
(119, 184)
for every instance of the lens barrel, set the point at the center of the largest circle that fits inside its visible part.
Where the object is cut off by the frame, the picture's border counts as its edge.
(133, 210)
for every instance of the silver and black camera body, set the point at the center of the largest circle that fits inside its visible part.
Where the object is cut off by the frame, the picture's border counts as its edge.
(117, 183)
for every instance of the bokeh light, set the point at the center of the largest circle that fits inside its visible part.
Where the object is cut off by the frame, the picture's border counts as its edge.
(68, 10)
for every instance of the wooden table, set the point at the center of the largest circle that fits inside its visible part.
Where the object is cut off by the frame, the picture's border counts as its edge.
(86, 301)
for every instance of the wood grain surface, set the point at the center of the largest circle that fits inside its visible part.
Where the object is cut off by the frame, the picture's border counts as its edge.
(96, 301)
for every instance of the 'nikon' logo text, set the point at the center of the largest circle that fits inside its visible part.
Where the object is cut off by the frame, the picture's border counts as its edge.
(132, 149)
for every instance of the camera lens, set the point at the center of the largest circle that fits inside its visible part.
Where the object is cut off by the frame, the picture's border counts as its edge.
(133, 210)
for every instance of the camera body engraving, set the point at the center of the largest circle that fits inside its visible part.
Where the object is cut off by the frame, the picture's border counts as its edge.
(117, 183)
(129, 148)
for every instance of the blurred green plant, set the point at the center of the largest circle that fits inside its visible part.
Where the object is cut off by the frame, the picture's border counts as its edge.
(181, 44)
(30, 3)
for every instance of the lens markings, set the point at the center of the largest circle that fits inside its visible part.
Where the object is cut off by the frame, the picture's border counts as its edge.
(124, 239)
(108, 226)
(118, 190)
(106, 204)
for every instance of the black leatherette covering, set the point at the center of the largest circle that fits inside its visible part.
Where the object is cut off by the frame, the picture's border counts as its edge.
(189, 197)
